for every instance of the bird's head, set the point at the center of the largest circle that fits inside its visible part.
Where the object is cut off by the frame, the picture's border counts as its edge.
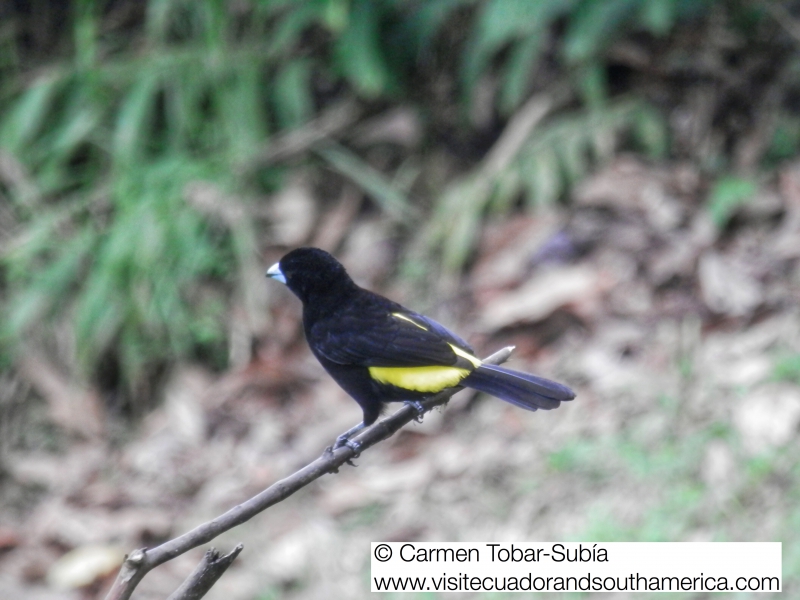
(310, 272)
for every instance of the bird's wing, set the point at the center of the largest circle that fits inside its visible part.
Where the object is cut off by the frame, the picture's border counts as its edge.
(389, 337)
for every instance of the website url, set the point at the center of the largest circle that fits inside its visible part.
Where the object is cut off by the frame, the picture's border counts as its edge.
(463, 582)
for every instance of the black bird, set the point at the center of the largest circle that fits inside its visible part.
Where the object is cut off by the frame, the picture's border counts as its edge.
(379, 351)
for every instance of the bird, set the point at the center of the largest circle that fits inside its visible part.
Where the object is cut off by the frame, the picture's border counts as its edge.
(379, 351)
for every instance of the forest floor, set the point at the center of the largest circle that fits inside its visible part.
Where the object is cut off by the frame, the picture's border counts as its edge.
(678, 328)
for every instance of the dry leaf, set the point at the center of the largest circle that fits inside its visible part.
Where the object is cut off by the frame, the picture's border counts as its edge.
(631, 185)
(400, 126)
(726, 288)
(719, 466)
(546, 292)
(768, 417)
(84, 565)
(508, 247)
(293, 213)
(72, 406)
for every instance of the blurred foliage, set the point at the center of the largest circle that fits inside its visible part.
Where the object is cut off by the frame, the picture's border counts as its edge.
(108, 116)
(787, 368)
(520, 30)
(785, 140)
(547, 164)
(728, 194)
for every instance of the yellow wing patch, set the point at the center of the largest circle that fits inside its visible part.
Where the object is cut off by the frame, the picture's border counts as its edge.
(476, 362)
(405, 318)
(424, 379)
(419, 379)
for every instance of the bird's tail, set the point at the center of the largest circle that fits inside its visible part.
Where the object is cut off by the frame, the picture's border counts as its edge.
(521, 389)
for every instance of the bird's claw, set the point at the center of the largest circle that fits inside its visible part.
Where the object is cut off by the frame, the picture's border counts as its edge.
(418, 407)
(354, 446)
(342, 441)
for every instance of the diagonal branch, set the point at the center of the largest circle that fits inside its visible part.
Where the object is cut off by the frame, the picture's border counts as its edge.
(139, 562)
(205, 574)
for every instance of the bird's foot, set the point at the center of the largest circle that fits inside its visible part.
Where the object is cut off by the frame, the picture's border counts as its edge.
(418, 407)
(353, 445)
(344, 440)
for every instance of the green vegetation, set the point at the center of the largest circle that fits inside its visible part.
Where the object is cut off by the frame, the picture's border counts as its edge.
(787, 368)
(104, 146)
(728, 194)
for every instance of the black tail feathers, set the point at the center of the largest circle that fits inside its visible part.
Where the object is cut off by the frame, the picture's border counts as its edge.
(521, 389)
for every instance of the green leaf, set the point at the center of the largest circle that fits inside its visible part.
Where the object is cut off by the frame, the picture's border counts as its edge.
(49, 284)
(289, 28)
(133, 119)
(573, 154)
(501, 22)
(650, 130)
(506, 191)
(519, 70)
(242, 111)
(543, 178)
(593, 84)
(423, 23)
(157, 24)
(292, 92)
(358, 51)
(215, 22)
(659, 15)
(387, 196)
(464, 204)
(727, 195)
(26, 119)
(85, 33)
(78, 122)
(592, 26)
(787, 368)
(335, 14)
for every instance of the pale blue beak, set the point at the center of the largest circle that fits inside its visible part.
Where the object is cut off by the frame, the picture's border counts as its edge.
(275, 273)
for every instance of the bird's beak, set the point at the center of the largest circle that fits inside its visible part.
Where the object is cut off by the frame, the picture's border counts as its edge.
(275, 273)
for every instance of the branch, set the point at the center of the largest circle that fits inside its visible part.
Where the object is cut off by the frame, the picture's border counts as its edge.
(139, 562)
(205, 574)
(331, 122)
(784, 18)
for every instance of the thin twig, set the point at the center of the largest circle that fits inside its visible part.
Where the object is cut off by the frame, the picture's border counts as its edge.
(205, 574)
(139, 562)
(784, 18)
(331, 122)
(392, 200)
(519, 129)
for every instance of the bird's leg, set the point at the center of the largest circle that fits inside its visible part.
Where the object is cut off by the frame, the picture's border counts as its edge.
(344, 439)
(416, 406)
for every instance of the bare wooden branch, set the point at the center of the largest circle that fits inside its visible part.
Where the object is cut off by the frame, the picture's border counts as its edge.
(330, 123)
(784, 18)
(205, 574)
(139, 562)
